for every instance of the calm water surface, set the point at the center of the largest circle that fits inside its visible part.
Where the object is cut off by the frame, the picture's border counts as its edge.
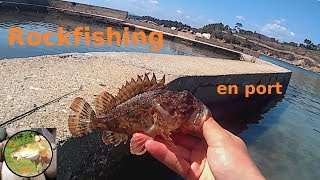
(286, 142)
(50, 22)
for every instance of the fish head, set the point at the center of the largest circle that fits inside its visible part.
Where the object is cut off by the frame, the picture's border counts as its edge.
(194, 124)
(17, 154)
(201, 114)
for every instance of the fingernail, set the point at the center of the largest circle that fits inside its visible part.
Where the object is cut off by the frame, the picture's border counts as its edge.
(148, 143)
(136, 134)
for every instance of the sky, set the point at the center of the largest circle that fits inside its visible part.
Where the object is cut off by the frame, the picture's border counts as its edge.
(285, 20)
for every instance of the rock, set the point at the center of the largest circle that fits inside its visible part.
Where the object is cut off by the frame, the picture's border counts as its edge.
(315, 69)
(299, 62)
(40, 177)
(51, 172)
(9, 98)
(2, 144)
(199, 35)
(206, 35)
(45, 132)
(67, 176)
(12, 131)
(35, 88)
(54, 146)
(3, 134)
(6, 174)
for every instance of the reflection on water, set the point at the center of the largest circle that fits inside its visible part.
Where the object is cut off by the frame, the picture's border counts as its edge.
(43, 22)
(286, 143)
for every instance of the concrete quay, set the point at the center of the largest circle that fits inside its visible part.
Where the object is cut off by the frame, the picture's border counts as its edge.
(30, 82)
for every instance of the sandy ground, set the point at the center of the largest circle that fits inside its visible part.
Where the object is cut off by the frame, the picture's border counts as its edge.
(30, 82)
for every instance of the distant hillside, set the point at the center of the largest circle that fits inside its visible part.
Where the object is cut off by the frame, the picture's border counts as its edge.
(306, 55)
(165, 23)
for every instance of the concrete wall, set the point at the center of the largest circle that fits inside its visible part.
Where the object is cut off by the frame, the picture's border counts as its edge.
(45, 5)
(202, 87)
(89, 9)
(211, 41)
(234, 112)
(152, 26)
(225, 53)
(187, 35)
(37, 2)
(229, 46)
(25, 5)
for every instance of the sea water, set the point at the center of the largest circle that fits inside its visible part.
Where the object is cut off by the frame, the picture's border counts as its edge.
(286, 142)
(42, 23)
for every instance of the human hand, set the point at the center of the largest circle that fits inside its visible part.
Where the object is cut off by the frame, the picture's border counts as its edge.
(219, 155)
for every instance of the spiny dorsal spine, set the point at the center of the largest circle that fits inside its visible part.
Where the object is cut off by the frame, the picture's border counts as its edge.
(105, 101)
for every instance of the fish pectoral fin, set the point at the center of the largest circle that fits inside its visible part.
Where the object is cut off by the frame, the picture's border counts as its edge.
(166, 135)
(137, 143)
(81, 123)
(109, 137)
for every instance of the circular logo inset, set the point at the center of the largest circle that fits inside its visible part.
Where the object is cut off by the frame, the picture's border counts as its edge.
(28, 153)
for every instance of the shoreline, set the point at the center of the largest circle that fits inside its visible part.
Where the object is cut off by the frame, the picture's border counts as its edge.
(246, 59)
(291, 63)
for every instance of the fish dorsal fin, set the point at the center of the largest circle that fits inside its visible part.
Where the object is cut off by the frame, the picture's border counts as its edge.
(105, 101)
(141, 85)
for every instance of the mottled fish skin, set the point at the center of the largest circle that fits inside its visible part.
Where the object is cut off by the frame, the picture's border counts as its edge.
(166, 109)
(143, 106)
(134, 115)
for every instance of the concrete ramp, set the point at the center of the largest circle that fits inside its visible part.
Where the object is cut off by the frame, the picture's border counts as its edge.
(36, 80)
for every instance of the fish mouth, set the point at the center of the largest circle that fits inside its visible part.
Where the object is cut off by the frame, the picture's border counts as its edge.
(15, 157)
(205, 114)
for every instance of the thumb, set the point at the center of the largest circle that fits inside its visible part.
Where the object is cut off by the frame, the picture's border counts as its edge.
(213, 132)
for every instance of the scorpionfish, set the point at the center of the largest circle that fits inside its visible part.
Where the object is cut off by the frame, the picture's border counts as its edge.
(142, 106)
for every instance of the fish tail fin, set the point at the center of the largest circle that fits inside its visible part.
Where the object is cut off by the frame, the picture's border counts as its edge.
(81, 123)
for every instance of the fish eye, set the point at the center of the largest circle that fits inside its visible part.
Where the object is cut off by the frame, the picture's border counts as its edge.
(204, 113)
(197, 119)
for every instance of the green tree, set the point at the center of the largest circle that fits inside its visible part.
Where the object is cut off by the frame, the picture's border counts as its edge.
(227, 28)
(307, 41)
(238, 26)
(210, 28)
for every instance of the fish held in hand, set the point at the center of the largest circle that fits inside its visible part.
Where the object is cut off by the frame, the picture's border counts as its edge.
(141, 106)
(38, 151)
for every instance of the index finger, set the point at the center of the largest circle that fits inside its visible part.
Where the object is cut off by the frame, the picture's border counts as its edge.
(167, 157)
